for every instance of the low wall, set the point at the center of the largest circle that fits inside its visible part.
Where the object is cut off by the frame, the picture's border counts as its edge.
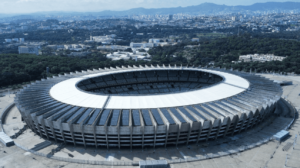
(4, 113)
(293, 112)
(79, 161)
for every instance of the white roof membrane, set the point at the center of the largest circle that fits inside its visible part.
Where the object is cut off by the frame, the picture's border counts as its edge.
(67, 92)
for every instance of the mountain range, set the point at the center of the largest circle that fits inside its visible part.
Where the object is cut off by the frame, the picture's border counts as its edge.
(204, 8)
(209, 8)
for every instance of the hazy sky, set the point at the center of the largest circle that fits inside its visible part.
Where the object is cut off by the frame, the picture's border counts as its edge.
(29, 6)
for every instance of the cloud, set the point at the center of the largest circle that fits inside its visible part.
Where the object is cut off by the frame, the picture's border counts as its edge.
(24, 1)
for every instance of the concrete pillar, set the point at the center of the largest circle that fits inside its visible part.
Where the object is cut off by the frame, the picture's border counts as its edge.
(178, 134)
(242, 124)
(30, 120)
(95, 138)
(199, 133)
(167, 134)
(130, 128)
(227, 127)
(143, 131)
(250, 117)
(218, 131)
(44, 127)
(188, 137)
(210, 128)
(82, 135)
(62, 131)
(155, 132)
(106, 136)
(37, 124)
(71, 132)
(118, 130)
(235, 124)
(50, 123)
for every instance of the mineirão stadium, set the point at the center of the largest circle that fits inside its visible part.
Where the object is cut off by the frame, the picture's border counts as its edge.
(146, 105)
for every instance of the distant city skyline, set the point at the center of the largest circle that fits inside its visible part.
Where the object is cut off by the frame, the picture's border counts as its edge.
(32, 6)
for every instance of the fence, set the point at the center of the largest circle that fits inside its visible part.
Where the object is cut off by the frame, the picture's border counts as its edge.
(277, 74)
(79, 161)
(293, 111)
(220, 154)
(4, 113)
(174, 161)
(296, 136)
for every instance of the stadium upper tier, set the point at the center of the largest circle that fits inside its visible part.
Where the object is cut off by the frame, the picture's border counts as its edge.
(146, 105)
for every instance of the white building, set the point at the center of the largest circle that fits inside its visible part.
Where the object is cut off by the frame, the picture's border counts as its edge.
(195, 39)
(8, 40)
(15, 39)
(260, 57)
(66, 47)
(142, 45)
(108, 39)
(53, 47)
(28, 50)
(24, 27)
(59, 47)
(78, 54)
(154, 40)
(75, 47)
(112, 47)
(44, 28)
(128, 55)
(21, 40)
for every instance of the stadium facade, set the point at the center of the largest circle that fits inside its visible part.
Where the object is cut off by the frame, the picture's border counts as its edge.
(146, 105)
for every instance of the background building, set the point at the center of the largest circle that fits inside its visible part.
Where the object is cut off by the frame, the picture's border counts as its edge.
(28, 50)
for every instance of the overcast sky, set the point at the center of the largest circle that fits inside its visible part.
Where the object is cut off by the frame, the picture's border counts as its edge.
(30, 6)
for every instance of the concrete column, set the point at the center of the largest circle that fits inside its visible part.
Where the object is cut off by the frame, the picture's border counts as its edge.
(218, 131)
(130, 128)
(242, 124)
(33, 123)
(82, 135)
(210, 128)
(52, 129)
(106, 136)
(178, 134)
(199, 133)
(249, 122)
(118, 128)
(235, 124)
(167, 134)
(62, 131)
(227, 127)
(44, 127)
(37, 124)
(71, 132)
(29, 121)
(255, 120)
(155, 132)
(188, 137)
(95, 138)
(142, 128)
(143, 131)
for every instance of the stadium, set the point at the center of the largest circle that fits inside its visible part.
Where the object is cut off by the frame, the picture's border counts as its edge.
(143, 106)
